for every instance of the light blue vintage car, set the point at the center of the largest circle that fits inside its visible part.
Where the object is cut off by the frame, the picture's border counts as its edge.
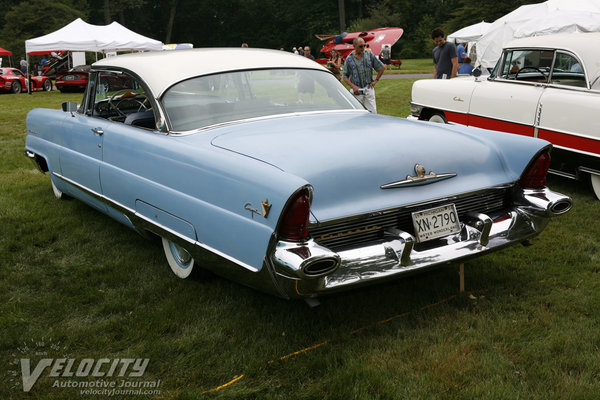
(260, 166)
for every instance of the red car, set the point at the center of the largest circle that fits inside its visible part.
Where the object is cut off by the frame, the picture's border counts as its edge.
(74, 80)
(13, 80)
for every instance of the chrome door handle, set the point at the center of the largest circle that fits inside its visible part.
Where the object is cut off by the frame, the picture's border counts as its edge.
(98, 131)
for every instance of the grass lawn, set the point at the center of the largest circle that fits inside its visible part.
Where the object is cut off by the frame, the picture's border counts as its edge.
(412, 66)
(77, 285)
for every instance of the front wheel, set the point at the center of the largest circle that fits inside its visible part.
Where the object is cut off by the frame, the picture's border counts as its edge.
(438, 118)
(179, 259)
(57, 192)
(48, 85)
(595, 179)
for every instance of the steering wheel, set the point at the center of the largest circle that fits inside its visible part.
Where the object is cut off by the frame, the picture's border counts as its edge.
(115, 104)
(533, 68)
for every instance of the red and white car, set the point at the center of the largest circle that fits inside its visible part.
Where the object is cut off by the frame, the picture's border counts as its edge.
(74, 80)
(545, 86)
(13, 80)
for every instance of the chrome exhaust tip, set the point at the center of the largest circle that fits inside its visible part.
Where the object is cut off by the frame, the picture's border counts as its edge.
(561, 206)
(321, 267)
(546, 201)
(304, 260)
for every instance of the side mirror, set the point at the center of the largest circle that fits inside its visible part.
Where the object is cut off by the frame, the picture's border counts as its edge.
(69, 106)
(476, 72)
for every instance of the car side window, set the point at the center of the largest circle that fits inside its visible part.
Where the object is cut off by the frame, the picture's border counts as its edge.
(568, 71)
(527, 65)
(18, 73)
(119, 97)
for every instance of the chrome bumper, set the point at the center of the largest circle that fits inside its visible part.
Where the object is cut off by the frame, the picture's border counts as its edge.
(306, 269)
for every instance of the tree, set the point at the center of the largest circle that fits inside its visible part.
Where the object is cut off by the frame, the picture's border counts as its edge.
(34, 18)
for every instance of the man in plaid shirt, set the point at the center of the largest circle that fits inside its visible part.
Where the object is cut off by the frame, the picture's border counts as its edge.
(358, 73)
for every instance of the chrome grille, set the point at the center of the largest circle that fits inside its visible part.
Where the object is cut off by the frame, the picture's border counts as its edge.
(371, 227)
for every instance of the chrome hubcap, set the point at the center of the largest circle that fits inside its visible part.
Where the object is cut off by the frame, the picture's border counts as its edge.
(182, 255)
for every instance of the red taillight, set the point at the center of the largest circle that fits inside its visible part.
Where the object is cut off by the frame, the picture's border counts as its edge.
(293, 224)
(534, 176)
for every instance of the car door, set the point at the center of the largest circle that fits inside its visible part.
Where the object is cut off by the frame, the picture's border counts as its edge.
(568, 115)
(509, 100)
(21, 78)
(81, 154)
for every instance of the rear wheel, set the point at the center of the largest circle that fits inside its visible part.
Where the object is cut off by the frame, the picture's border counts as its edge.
(16, 87)
(596, 184)
(437, 117)
(47, 85)
(179, 259)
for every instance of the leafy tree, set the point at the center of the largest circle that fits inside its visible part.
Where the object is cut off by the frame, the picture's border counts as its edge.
(33, 18)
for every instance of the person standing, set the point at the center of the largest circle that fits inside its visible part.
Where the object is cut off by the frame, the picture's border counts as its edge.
(466, 68)
(307, 53)
(461, 52)
(335, 63)
(445, 58)
(358, 73)
(23, 64)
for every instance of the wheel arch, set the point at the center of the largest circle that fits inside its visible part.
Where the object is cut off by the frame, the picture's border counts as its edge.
(39, 161)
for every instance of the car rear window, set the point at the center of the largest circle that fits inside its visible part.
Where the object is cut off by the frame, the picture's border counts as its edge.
(214, 99)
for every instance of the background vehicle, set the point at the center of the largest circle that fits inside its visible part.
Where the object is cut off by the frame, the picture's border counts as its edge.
(74, 80)
(546, 87)
(13, 80)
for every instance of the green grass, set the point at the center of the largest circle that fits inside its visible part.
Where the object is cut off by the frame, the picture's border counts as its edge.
(527, 327)
(412, 66)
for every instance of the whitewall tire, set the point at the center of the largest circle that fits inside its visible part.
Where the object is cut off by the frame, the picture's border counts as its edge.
(57, 193)
(180, 261)
(438, 118)
(595, 179)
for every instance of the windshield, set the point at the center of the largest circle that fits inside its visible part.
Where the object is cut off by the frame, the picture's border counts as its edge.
(232, 96)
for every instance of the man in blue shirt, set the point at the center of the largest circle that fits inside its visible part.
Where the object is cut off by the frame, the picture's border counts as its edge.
(466, 68)
(358, 74)
(460, 50)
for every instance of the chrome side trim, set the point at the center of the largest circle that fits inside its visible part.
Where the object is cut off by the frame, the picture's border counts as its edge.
(563, 174)
(141, 221)
(589, 170)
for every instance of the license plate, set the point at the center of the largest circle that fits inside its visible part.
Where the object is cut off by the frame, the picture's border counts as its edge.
(435, 222)
(69, 78)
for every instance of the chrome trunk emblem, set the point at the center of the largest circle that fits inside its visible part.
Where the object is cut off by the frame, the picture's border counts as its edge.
(421, 178)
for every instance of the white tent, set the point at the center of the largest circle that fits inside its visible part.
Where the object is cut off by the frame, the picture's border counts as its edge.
(469, 33)
(81, 36)
(552, 16)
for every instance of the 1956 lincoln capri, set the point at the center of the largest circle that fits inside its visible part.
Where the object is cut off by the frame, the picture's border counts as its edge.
(294, 193)
(546, 87)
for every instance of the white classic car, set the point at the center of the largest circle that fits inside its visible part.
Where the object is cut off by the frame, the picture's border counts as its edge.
(546, 87)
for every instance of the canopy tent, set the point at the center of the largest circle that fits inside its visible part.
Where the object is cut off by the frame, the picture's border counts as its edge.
(469, 33)
(552, 16)
(81, 36)
(5, 52)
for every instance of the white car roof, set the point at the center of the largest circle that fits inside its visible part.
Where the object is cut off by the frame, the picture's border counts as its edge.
(584, 45)
(161, 69)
